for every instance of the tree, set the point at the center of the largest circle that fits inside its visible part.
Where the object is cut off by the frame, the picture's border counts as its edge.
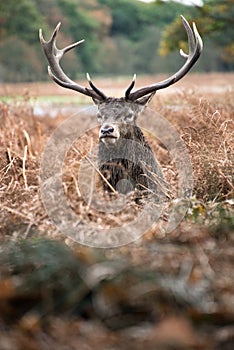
(131, 17)
(20, 18)
(19, 61)
(121, 36)
(20, 58)
(215, 20)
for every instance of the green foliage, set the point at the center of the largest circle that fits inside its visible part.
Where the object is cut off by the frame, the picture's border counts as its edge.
(131, 17)
(122, 36)
(19, 18)
(80, 26)
(126, 22)
(48, 275)
(135, 35)
(215, 20)
(218, 216)
(19, 59)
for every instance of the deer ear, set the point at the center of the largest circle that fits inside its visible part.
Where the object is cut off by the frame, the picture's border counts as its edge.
(145, 99)
(96, 100)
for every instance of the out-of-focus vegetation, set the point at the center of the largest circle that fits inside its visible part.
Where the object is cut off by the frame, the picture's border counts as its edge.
(215, 20)
(122, 36)
(166, 291)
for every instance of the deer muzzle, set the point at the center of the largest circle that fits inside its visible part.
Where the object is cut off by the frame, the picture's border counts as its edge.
(109, 133)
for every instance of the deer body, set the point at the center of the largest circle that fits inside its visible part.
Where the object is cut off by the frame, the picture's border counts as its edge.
(125, 157)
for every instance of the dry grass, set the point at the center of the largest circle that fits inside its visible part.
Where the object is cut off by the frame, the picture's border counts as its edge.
(206, 126)
(22, 138)
(185, 277)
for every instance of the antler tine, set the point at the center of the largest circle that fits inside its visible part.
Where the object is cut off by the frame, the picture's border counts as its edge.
(131, 86)
(198, 39)
(54, 55)
(191, 41)
(99, 92)
(195, 49)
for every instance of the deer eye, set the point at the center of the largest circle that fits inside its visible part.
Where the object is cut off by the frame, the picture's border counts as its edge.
(99, 118)
(128, 118)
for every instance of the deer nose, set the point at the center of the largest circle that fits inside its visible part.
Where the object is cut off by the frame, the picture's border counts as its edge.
(106, 130)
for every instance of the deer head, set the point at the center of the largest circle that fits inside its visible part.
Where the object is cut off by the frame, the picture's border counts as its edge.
(113, 112)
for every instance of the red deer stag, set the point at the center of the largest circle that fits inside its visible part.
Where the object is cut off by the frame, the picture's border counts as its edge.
(125, 157)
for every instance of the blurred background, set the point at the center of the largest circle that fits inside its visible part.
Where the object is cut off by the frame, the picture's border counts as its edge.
(121, 37)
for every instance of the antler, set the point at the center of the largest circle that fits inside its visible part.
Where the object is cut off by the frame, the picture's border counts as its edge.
(54, 56)
(195, 49)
